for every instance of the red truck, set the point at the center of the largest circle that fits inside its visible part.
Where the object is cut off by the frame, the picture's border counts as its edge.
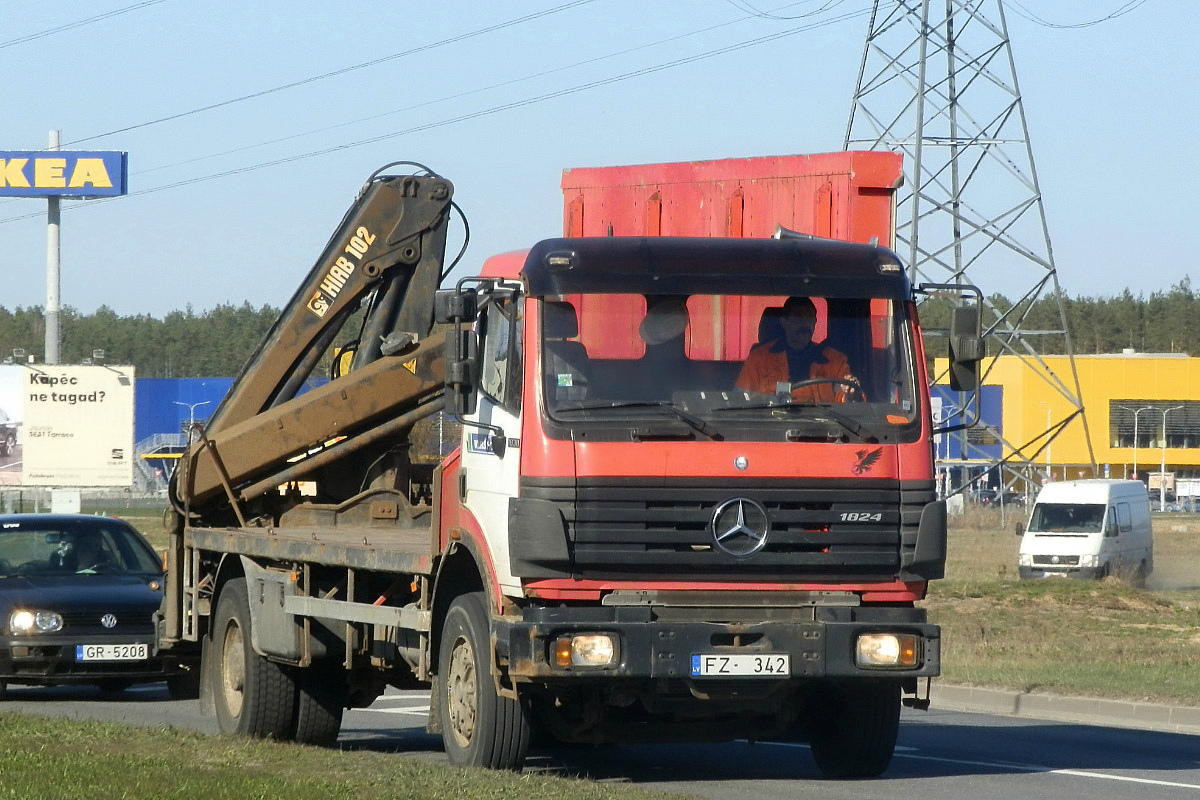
(628, 545)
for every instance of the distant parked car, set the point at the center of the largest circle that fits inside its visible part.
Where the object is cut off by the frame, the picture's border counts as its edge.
(78, 595)
(8, 435)
(994, 498)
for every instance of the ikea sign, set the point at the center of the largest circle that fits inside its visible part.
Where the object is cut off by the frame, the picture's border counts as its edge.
(63, 173)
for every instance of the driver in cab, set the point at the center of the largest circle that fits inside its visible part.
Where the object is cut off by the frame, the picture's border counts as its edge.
(786, 362)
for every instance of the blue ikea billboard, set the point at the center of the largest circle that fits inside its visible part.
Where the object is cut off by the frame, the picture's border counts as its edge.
(63, 173)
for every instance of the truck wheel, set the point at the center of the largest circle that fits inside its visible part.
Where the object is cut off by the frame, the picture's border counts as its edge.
(254, 696)
(320, 700)
(479, 727)
(858, 734)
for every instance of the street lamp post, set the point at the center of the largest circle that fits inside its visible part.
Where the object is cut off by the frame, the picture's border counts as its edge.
(192, 413)
(1162, 467)
(1135, 436)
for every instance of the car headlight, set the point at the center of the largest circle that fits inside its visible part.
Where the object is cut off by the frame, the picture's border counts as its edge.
(35, 622)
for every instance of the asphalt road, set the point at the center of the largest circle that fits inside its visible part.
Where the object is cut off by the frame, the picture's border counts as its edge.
(942, 755)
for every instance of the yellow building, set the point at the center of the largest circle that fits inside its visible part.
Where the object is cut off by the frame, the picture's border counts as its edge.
(1142, 410)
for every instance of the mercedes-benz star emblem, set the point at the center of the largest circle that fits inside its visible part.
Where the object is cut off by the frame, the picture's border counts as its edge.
(109, 621)
(740, 526)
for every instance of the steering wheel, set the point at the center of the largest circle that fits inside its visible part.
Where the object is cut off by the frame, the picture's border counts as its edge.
(853, 386)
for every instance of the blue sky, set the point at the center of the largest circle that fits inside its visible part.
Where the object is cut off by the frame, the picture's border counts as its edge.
(1112, 111)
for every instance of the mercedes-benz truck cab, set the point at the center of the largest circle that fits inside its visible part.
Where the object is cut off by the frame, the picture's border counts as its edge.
(1089, 529)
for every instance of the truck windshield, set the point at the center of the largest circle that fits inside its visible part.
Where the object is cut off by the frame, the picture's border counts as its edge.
(819, 367)
(1067, 518)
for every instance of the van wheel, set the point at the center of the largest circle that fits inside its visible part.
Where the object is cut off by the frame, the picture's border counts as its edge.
(1138, 578)
(253, 696)
(857, 734)
(480, 728)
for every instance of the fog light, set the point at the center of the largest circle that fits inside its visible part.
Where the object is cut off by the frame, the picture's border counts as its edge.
(585, 650)
(35, 622)
(877, 650)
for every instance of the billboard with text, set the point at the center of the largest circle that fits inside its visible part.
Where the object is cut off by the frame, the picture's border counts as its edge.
(69, 425)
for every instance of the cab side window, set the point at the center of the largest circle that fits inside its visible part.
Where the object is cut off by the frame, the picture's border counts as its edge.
(500, 361)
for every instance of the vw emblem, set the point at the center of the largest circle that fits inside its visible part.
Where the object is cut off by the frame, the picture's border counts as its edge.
(109, 620)
(739, 526)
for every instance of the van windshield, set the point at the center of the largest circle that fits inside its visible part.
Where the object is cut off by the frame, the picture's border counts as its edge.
(1067, 518)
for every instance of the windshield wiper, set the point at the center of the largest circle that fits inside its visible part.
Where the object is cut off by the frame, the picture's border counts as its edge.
(851, 425)
(695, 422)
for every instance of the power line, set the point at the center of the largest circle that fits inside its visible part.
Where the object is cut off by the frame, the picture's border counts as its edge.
(754, 11)
(1025, 13)
(79, 24)
(348, 123)
(489, 111)
(342, 71)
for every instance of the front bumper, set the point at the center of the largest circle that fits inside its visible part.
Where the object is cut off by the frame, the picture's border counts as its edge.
(1079, 573)
(654, 647)
(51, 660)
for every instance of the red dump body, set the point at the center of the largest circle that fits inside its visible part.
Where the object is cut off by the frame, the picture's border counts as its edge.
(847, 196)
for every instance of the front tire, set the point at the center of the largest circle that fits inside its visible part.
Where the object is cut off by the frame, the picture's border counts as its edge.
(480, 728)
(253, 696)
(320, 700)
(858, 734)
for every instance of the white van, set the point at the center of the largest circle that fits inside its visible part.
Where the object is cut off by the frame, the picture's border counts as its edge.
(1089, 529)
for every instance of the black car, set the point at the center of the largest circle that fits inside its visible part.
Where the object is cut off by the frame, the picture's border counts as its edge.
(78, 596)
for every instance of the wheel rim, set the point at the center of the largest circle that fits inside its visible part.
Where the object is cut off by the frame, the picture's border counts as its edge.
(233, 669)
(462, 692)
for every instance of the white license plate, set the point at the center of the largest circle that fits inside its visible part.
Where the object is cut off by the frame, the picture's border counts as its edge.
(112, 652)
(762, 665)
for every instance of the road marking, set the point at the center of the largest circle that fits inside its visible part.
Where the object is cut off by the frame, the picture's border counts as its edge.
(1015, 767)
(1078, 773)
(417, 710)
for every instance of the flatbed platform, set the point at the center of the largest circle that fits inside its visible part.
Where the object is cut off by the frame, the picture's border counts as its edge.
(390, 549)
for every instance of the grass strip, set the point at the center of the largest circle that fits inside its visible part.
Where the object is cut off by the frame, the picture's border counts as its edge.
(55, 758)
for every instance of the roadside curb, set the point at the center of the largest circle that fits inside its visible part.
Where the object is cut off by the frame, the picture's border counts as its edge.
(1087, 710)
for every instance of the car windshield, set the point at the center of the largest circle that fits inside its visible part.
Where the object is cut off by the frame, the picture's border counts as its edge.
(70, 547)
(830, 363)
(1067, 517)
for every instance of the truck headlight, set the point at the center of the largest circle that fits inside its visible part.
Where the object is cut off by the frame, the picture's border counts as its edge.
(1024, 560)
(883, 650)
(1089, 560)
(35, 622)
(585, 650)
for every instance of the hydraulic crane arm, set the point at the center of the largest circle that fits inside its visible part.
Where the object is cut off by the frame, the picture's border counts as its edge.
(386, 258)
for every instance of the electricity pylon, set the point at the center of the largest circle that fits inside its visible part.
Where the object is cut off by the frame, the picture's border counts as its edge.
(938, 83)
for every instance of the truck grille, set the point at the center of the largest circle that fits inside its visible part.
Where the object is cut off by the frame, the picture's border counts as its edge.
(819, 530)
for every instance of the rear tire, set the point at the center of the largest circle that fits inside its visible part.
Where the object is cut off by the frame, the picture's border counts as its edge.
(480, 728)
(858, 734)
(253, 696)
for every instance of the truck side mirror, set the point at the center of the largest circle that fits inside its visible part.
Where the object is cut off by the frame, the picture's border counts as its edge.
(462, 351)
(1020, 529)
(455, 306)
(966, 348)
